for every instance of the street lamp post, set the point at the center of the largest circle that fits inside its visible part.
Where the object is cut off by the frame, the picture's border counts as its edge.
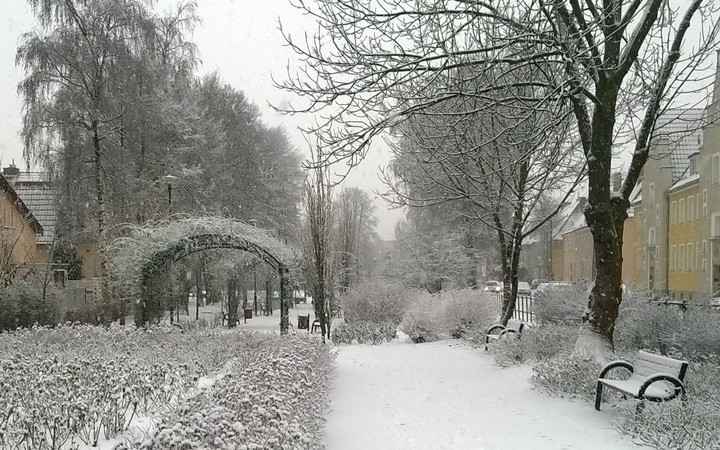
(169, 180)
(253, 222)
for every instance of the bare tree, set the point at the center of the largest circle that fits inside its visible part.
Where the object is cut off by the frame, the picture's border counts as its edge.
(373, 65)
(318, 253)
(355, 230)
(488, 160)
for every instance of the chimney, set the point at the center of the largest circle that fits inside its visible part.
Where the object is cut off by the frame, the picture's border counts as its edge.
(11, 171)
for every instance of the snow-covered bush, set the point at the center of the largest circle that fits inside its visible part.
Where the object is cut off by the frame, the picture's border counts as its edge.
(560, 305)
(375, 301)
(665, 329)
(448, 314)
(362, 332)
(423, 321)
(692, 424)
(466, 311)
(567, 375)
(30, 301)
(537, 343)
(277, 401)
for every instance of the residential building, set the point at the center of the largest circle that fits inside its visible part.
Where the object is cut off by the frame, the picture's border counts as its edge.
(41, 195)
(677, 135)
(19, 229)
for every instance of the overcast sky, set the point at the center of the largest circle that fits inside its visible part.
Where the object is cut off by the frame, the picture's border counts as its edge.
(238, 39)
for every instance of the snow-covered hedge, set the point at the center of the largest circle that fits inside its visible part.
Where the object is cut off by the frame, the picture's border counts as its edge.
(362, 332)
(79, 384)
(276, 402)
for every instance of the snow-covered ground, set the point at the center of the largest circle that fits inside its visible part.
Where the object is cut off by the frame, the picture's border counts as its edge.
(446, 395)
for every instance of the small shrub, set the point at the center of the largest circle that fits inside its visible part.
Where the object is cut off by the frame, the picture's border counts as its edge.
(423, 322)
(510, 352)
(567, 375)
(537, 343)
(27, 302)
(375, 301)
(362, 332)
(465, 311)
(420, 329)
(561, 305)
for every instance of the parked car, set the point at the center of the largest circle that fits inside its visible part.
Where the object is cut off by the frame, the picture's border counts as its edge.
(493, 286)
(524, 288)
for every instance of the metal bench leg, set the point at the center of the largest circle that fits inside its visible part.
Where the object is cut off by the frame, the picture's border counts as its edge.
(598, 396)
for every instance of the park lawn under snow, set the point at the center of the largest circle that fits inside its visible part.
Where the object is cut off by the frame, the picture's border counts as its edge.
(446, 395)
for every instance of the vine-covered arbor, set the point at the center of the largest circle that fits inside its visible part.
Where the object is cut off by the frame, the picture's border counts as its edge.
(146, 251)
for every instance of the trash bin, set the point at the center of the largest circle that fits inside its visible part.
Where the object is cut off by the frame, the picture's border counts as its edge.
(304, 322)
(248, 313)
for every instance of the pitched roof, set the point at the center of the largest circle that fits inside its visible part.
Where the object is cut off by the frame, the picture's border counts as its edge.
(40, 193)
(682, 127)
(571, 216)
(21, 205)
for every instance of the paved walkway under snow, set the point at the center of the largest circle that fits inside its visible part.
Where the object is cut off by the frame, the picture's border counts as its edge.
(443, 395)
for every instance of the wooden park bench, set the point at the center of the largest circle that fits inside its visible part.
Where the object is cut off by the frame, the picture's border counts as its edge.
(514, 328)
(315, 326)
(653, 377)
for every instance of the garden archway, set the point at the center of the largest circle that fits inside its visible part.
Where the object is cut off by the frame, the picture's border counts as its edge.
(146, 251)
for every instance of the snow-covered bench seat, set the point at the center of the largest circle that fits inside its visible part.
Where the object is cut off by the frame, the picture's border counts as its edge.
(514, 328)
(653, 377)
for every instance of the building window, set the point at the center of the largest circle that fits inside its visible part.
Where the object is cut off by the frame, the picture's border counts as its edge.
(681, 258)
(681, 211)
(697, 206)
(690, 208)
(651, 195)
(716, 168)
(697, 255)
(704, 204)
(672, 259)
(673, 212)
(651, 237)
(690, 258)
(704, 263)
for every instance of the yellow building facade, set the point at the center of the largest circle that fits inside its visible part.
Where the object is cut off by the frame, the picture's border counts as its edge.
(684, 240)
(18, 229)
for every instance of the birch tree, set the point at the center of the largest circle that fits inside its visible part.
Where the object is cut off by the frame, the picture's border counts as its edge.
(373, 65)
(73, 63)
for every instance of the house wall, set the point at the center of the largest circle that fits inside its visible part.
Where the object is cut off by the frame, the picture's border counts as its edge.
(656, 181)
(88, 253)
(629, 253)
(17, 237)
(709, 274)
(684, 276)
(578, 260)
(558, 260)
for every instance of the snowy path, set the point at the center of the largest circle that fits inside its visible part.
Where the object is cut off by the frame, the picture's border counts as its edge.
(448, 396)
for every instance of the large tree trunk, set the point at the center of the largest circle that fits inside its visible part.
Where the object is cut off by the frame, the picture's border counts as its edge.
(105, 294)
(605, 215)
